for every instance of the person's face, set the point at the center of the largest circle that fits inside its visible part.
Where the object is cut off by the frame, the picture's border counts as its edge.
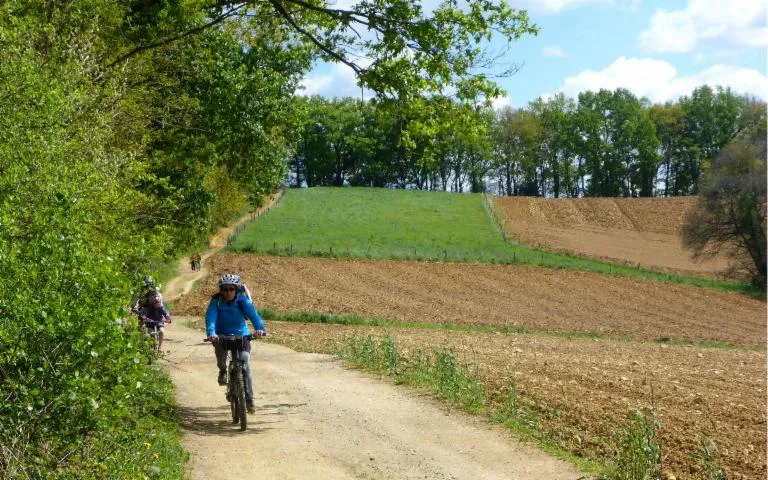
(229, 292)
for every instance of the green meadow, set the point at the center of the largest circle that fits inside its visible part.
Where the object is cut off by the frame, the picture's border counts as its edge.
(414, 225)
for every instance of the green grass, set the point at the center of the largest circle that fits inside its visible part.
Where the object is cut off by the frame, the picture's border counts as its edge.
(415, 225)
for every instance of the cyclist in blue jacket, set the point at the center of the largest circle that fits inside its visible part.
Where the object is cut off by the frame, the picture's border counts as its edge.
(226, 315)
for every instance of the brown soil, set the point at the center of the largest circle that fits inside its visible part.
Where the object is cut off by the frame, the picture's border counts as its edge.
(581, 388)
(521, 296)
(637, 231)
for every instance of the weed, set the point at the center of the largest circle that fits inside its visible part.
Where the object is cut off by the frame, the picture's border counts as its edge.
(638, 456)
(706, 454)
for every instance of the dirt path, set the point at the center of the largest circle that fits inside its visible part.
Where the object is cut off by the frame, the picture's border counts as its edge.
(316, 419)
(182, 284)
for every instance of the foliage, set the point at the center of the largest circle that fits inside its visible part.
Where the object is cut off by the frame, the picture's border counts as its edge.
(606, 143)
(72, 377)
(730, 214)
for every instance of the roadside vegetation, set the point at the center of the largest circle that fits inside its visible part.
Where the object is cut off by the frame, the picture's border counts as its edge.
(634, 418)
(413, 225)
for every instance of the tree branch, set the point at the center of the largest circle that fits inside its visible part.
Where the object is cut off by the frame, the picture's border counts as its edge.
(283, 13)
(142, 48)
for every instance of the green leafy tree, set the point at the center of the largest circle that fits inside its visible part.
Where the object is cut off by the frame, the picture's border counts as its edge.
(556, 148)
(516, 141)
(710, 120)
(668, 120)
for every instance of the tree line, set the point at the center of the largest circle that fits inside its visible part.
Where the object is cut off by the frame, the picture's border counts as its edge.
(605, 143)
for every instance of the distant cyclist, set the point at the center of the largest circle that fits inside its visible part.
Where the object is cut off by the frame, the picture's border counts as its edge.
(226, 315)
(154, 314)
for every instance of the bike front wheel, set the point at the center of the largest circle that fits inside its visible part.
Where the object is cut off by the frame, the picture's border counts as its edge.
(239, 412)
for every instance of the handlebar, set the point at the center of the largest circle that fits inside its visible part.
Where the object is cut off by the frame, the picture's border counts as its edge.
(238, 337)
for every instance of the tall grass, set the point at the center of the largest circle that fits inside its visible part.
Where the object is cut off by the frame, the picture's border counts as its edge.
(412, 225)
(638, 456)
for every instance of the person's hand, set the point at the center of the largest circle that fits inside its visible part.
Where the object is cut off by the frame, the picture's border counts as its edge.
(213, 339)
(169, 319)
(260, 333)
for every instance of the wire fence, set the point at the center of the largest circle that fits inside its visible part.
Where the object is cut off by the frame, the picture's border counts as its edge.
(253, 216)
(497, 222)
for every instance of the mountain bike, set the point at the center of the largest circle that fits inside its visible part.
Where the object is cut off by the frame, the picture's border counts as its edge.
(236, 377)
(152, 329)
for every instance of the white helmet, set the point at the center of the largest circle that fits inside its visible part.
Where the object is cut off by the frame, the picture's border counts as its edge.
(230, 279)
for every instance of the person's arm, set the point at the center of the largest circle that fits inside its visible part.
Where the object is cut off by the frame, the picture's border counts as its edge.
(211, 315)
(250, 311)
(166, 314)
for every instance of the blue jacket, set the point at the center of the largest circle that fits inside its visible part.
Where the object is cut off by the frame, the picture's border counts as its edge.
(222, 318)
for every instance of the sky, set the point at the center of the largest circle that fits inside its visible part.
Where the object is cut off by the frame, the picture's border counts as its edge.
(657, 49)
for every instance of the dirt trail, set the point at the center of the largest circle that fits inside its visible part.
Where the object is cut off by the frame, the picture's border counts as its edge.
(316, 419)
(182, 284)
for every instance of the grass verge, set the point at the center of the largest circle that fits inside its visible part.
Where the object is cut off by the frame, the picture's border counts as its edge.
(636, 455)
(358, 320)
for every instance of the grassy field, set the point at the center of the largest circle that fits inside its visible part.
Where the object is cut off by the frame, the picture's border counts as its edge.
(407, 224)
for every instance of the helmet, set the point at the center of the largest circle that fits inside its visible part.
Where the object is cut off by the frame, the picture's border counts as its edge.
(230, 279)
(149, 280)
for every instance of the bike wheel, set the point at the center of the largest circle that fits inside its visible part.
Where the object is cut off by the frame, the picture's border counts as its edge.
(232, 396)
(233, 407)
(242, 413)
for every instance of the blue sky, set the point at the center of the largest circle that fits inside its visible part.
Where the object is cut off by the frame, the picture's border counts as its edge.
(657, 49)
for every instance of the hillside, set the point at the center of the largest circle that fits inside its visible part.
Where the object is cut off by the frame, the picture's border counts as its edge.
(636, 231)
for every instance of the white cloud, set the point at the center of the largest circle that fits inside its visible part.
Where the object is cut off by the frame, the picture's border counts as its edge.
(553, 51)
(500, 102)
(340, 82)
(659, 80)
(552, 6)
(726, 25)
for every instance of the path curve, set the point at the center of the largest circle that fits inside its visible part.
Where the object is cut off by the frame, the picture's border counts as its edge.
(316, 419)
(186, 278)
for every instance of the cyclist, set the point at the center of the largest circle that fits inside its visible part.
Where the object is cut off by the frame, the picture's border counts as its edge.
(149, 289)
(153, 313)
(226, 315)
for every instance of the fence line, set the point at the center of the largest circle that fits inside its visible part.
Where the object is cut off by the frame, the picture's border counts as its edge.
(488, 203)
(253, 216)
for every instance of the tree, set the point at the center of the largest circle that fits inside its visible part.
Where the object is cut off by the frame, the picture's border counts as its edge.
(710, 119)
(668, 120)
(730, 213)
(556, 147)
(516, 136)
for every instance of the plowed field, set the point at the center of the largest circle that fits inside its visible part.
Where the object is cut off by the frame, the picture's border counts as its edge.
(644, 231)
(579, 387)
(522, 296)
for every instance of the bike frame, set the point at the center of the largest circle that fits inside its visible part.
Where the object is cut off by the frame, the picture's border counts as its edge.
(153, 331)
(236, 378)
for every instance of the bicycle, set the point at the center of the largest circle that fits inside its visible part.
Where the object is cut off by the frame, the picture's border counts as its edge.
(236, 377)
(153, 330)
